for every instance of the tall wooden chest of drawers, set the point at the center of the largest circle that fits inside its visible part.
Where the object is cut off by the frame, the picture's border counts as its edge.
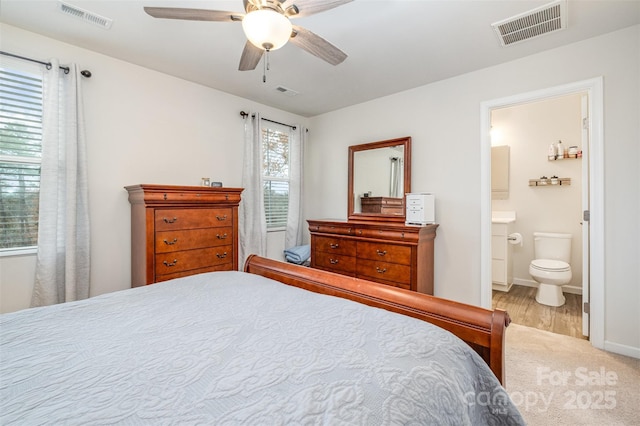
(386, 252)
(182, 230)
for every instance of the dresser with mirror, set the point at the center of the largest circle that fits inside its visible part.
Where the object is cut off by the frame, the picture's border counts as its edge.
(374, 242)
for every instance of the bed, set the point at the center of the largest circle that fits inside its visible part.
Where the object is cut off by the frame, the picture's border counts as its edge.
(276, 344)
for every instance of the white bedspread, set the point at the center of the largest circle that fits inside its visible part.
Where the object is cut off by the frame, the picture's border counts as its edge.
(235, 348)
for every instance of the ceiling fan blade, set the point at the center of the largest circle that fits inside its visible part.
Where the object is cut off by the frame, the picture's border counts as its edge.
(252, 4)
(193, 14)
(251, 55)
(309, 7)
(317, 46)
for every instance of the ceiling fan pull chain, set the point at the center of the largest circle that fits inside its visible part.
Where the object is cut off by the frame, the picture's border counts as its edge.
(264, 67)
(265, 64)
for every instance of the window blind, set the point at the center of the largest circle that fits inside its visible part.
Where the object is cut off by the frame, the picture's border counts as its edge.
(276, 202)
(20, 157)
(275, 168)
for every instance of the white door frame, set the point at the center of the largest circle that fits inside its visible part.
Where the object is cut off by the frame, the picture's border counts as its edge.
(584, 139)
(594, 88)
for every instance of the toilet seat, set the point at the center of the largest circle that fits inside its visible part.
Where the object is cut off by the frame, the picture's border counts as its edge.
(550, 265)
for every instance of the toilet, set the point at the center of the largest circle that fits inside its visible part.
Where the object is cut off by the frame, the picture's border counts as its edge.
(551, 268)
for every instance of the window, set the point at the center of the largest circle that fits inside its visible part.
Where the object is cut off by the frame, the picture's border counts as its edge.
(275, 176)
(20, 158)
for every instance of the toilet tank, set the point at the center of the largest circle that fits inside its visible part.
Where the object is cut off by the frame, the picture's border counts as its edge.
(548, 245)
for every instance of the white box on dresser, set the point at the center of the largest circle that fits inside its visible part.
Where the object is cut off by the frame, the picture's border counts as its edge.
(421, 209)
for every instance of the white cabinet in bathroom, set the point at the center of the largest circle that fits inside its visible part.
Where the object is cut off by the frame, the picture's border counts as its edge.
(501, 261)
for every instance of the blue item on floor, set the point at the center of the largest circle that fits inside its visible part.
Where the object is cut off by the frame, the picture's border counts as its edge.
(298, 254)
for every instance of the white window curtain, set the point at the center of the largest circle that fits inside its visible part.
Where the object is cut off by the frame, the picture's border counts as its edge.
(252, 222)
(295, 225)
(63, 260)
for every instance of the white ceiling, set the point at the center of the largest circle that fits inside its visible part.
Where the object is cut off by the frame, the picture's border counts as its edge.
(393, 45)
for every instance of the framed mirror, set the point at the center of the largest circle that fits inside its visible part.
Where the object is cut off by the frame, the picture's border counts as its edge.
(379, 178)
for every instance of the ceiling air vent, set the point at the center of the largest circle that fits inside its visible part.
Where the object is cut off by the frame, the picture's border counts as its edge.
(286, 91)
(85, 15)
(534, 23)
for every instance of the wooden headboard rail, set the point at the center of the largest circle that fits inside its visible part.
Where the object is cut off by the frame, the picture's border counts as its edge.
(482, 329)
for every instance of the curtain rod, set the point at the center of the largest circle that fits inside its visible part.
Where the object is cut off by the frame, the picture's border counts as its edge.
(85, 73)
(245, 115)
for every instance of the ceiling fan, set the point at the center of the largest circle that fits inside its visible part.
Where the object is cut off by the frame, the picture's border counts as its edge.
(267, 26)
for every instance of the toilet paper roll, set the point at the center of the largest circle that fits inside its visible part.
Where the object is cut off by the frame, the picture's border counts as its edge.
(515, 239)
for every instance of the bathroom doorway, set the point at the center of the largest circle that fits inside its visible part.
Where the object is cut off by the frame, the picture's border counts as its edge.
(589, 266)
(543, 196)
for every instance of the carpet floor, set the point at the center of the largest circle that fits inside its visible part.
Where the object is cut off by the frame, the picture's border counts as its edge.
(562, 380)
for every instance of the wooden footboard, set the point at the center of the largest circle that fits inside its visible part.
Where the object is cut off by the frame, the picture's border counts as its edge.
(482, 329)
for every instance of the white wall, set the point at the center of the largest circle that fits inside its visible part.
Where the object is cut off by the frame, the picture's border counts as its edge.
(443, 119)
(529, 129)
(142, 127)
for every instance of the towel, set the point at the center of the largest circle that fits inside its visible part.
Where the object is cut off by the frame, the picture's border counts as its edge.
(298, 254)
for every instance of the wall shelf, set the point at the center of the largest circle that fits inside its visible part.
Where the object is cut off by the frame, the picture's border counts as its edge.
(547, 182)
(575, 157)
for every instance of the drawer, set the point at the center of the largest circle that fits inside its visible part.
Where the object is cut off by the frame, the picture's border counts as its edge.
(166, 219)
(499, 229)
(405, 286)
(377, 271)
(224, 267)
(387, 234)
(335, 246)
(416, 202)
(204, 195)
(498, 271)
(186, 239)
(498, 247)
(331, 229)
(335, 262)
(384, 252)
(186, 260)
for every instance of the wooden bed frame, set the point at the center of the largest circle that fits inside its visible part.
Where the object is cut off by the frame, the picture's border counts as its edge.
(482, 329)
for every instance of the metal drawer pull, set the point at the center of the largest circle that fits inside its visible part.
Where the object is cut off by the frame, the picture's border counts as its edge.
(170, 243)
(167, 264)
(334, 246)
(381, 253)
(221, 256)
(221, 218)
(381, 271)
(221, 237)
(169, 220)
(333, 261)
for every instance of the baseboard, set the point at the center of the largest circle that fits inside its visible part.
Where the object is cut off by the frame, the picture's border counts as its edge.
(622, 349)
(501, 287)
(524, 282)
(531, 283)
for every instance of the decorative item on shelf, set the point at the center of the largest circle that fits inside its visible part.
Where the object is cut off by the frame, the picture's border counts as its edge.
(559, 151)
(573, 151)
(216, 184)
(544, 181)
(205, 181)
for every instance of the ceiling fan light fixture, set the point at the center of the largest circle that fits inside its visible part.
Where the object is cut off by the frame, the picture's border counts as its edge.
(267, 29)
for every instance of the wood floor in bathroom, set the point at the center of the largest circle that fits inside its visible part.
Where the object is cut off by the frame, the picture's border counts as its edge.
(523, 309)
